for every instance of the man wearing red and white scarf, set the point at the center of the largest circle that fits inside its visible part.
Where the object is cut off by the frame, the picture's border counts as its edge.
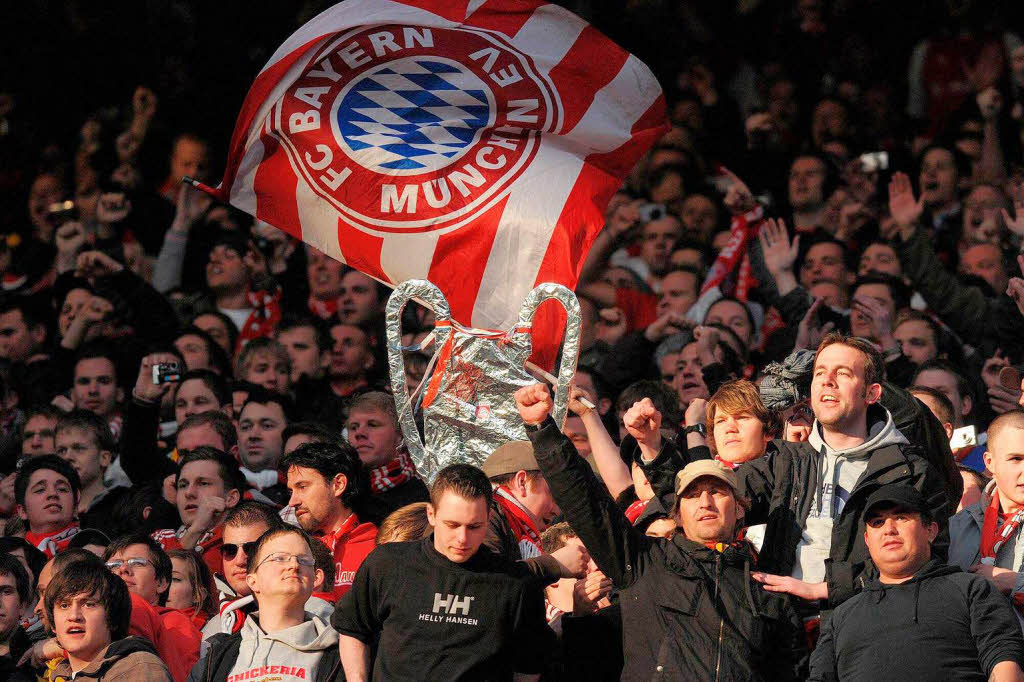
(985, 537)
(46, 491)
(231, 272)
(372, 429)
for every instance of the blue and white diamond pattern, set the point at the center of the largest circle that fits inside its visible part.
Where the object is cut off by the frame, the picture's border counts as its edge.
(413, 115)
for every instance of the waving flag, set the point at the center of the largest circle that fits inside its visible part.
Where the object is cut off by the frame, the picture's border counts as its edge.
(471, 143)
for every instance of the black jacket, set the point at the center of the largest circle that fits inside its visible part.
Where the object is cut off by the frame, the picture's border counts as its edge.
(217, 664)
(688, 612)
(942, 624)
(781, 487)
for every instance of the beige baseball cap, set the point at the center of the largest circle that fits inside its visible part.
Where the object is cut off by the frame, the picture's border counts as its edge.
(516, 455)
(705, 467)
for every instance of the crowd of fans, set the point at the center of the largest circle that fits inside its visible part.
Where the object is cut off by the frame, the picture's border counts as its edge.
(795, 441)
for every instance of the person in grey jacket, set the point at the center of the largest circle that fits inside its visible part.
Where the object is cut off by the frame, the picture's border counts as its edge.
(984, 538)
(281, 636)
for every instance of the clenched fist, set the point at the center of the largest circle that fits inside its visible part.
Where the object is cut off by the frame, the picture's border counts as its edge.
(534, 403)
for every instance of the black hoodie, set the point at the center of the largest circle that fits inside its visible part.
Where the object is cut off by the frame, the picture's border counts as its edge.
(942, 624)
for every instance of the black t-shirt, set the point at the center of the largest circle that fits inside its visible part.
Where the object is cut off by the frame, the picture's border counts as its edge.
(438, 620)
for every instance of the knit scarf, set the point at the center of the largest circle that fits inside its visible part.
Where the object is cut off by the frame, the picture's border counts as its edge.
(263, 479)
(735, 257)
(322, 309)
(992, 540)
(519, 522)
(393, 474)
(51, 543)
(266, 313)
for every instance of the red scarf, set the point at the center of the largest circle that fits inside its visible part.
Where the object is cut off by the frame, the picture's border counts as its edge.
(266, 313)
(992, 540)
(52, 543)
(735, 257)
(331, 539)
(322, 309)
(519, 521)
(393, 474)
(634, 510)
(728, 465)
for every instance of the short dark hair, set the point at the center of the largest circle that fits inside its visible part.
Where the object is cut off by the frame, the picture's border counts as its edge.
(91, 422)
(899, 291)
(945, 405)
(465, 480)
(329, 460)
(85, 576)
(101, 348)
(213, 381)
(874, 364)
(227, 467)
(298, 320)
(324, 561)
(555, 537)
(218, 357)
(216, 420)
(248, 512)
(229, 324)
(962, 385)
(664, 398)
(46, 410)
(9, 565)
(34, 557)
(34, 312)
(263, 396)
(161, 562)
(51, 462)
(316, 431)
(250, 560)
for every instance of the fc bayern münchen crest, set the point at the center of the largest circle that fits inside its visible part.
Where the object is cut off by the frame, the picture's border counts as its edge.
(413, 129)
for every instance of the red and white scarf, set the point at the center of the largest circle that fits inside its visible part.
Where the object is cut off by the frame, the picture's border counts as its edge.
(634, 510)
(393, 474)
(993, 536)
(266, 313)
(735, 257)
(322, 309)
(331, 539)
(519, 521)
(52, 543)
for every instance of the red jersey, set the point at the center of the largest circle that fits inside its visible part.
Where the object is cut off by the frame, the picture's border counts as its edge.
(350, 544)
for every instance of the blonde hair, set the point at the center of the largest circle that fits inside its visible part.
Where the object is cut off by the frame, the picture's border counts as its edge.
(404, 524)
(737, 397)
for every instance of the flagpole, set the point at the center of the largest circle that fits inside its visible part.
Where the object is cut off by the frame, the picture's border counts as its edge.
(200, 186)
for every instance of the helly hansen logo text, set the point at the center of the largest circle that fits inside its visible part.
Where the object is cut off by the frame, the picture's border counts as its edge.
(450, 608)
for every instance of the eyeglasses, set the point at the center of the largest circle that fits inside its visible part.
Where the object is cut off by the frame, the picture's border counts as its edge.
(282, 559)
(228, 550)
(130, 564)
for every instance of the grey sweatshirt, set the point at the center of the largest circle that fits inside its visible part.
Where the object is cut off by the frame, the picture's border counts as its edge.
(298, 648)
(838, 473)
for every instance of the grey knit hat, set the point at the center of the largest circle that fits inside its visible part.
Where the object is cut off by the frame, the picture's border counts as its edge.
(786, 383)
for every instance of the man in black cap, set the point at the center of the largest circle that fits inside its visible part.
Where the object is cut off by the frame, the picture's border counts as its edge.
(919, 618)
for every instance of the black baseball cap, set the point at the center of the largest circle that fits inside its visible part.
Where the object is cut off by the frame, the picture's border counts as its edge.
(895, 495)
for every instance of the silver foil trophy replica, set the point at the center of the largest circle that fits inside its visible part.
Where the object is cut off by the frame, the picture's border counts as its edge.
(467, 395)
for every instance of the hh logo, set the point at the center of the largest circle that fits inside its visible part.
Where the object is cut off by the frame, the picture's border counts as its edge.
(452, 604)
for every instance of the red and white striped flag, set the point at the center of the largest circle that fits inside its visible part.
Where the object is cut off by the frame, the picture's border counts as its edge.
(473, 143)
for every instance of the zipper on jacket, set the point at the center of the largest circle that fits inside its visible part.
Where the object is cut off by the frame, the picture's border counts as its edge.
(721, 618)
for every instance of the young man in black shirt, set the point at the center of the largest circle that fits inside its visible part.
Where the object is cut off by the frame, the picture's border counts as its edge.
(444, 608)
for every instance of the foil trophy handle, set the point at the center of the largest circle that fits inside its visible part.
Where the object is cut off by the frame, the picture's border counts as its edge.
(431, 296)
(570, 346)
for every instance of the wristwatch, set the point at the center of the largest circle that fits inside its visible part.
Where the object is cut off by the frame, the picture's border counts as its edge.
(699, 429)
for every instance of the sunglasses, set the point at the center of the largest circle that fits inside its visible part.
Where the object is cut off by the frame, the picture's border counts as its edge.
(229, 550)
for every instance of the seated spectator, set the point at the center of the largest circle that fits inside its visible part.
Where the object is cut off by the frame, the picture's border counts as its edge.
(95, 385)
(281, 574)
(261, 423)
(307, 343)
(208, 485)
(466, 584)
(16, 596)
(957, 624)
(192, 590)
(266, 363)
(985, 537)
(373, 431)
(47, 490)
(90, 610)
(325, 481)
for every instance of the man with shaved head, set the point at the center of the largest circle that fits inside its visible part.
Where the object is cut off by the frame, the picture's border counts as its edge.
(985, 537)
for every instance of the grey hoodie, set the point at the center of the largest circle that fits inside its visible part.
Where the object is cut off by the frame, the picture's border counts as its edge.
(838, 473)
(298, 648)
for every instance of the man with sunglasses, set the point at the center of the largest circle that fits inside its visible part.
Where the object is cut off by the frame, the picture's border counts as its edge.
(243, 526)
(145, 569)
(281, 639)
